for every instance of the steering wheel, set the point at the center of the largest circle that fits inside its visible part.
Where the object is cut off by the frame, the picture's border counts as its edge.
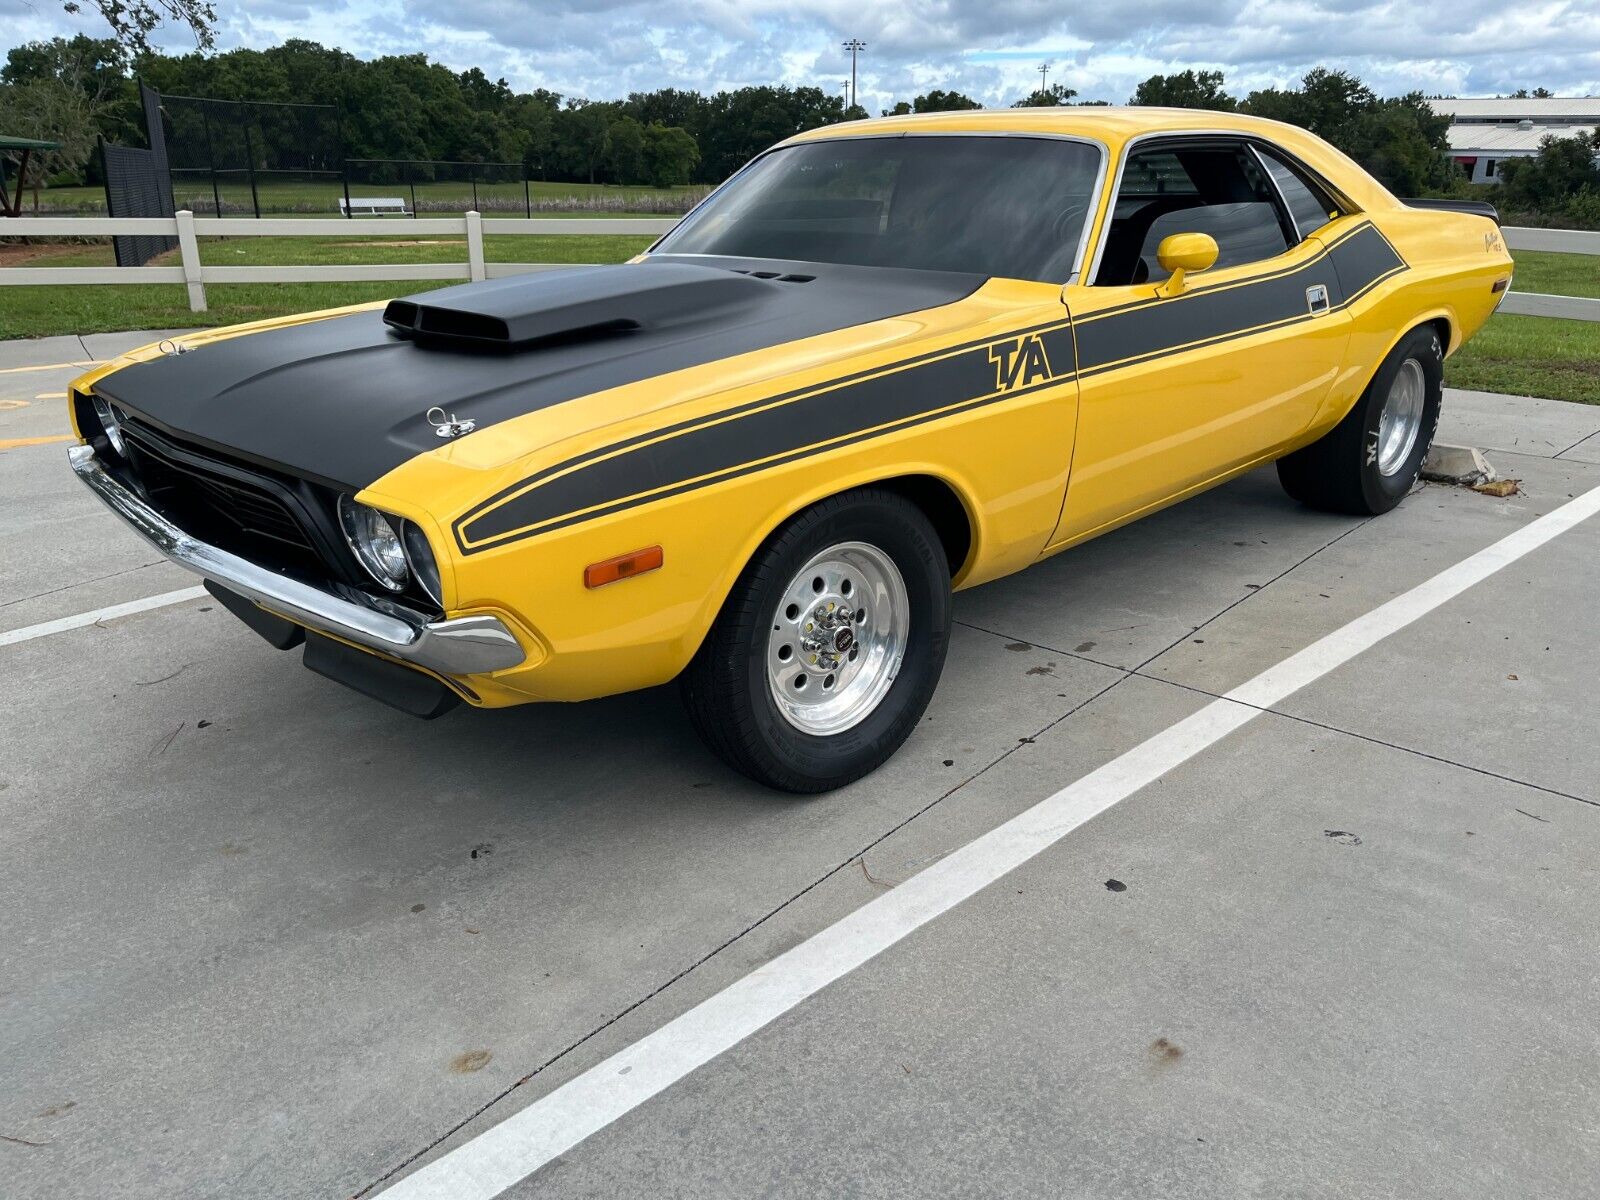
(1066, 228)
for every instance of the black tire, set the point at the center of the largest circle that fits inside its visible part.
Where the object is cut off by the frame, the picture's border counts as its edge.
(1340, 472)
(725, 687)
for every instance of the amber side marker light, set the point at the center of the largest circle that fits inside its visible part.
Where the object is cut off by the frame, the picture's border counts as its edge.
(624, 566)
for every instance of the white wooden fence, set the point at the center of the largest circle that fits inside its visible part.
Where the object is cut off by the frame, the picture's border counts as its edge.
(195, 274)
(1562, 241)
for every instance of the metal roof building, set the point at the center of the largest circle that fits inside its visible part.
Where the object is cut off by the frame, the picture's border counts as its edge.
(1484, 132)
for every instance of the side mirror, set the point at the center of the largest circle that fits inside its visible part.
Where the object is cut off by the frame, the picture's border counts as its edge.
(1182, 253)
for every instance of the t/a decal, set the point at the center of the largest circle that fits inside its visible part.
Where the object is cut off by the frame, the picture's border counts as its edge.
(1020, 362)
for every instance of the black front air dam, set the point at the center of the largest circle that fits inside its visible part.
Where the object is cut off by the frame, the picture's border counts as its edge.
(399, 687)
(281, 634)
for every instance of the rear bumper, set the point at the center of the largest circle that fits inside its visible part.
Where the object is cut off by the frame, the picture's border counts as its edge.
(458, 646)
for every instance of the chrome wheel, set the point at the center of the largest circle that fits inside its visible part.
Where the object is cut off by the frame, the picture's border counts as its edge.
(838, 638)
(1400, 423)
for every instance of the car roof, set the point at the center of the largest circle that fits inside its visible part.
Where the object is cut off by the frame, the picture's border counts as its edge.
(1114, 126)
(1099, 121)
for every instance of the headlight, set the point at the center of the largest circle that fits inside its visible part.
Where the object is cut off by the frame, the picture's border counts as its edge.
(111, 422)
(420, 555)
(374, 542)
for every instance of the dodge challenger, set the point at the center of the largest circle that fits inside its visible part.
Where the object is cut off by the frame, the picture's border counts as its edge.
(885, 361)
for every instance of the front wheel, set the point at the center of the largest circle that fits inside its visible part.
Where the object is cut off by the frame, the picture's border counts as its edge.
(1368, 462)
(829, 647)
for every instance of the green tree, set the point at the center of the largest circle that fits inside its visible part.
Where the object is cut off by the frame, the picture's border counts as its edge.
(1186, 89)
(98, 67)
(1552, 179)
(95, 67)
(742, 123)
(670, 155)
(1054, 96)
(1405, 144)
(669, 107)
(942, 101)
(934, 101)
(1401, 140)
(625, 161)
(533, 119)
(49, 110)
(133, 21)
(582, 138)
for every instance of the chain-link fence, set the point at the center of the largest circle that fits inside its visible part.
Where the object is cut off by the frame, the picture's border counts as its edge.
(241, 157)
(259, 158)
(429, 186)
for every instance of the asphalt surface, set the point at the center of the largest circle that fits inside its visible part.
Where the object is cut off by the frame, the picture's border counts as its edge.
(263, 937)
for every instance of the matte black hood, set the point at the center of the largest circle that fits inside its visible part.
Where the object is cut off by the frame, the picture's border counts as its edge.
(342, 401)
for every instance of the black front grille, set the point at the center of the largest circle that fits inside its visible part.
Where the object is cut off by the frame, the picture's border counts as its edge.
(230, 504)
(252, 511)
(270, 517)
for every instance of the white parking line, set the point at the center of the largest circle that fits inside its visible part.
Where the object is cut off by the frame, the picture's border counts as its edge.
(525, 1141)
(61, 624)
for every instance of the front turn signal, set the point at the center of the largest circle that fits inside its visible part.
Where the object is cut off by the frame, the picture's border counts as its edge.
(624, 566)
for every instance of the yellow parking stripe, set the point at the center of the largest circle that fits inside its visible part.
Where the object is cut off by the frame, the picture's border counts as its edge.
(51, 396)
(15, 443)
(44, 367)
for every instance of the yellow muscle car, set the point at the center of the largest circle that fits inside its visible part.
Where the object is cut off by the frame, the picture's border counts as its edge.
(886, 360)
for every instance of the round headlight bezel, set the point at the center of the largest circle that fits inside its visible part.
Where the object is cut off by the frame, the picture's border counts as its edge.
(110, 424)
(419, 556)
(375, 542)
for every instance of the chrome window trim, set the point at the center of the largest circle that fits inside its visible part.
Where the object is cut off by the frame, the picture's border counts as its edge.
(1294, 166)
(1235, 135)
(1095, 189)
(1283, 203)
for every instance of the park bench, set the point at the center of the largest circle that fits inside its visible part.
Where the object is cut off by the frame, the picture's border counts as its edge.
(373, 206)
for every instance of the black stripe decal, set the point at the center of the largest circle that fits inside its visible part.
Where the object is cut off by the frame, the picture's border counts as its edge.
(737, 411)
(1201, 317)
(806, 423)
(776, 430)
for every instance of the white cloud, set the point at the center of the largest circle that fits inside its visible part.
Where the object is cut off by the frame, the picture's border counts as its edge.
(987, 48)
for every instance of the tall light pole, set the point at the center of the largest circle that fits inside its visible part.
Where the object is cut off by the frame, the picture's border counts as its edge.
(855, 46)
(1044, 74)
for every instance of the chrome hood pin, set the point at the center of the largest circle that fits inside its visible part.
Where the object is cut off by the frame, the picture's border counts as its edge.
(445, 424)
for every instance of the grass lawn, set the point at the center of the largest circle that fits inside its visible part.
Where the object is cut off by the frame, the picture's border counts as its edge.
(321, 198)
(41, 311)
(1556, 274)
(1531, 356)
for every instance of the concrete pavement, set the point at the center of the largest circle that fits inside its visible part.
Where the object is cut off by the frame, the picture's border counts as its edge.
(264, 937)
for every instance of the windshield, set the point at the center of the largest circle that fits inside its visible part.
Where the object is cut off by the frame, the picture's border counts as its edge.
(1006, 206)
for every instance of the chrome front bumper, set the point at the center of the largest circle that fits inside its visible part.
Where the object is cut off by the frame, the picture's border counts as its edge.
(461, 646)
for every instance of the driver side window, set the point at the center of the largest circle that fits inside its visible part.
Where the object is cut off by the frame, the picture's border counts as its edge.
(1212, 187)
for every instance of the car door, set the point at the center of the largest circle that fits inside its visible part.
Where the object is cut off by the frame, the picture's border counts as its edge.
(1178, 391)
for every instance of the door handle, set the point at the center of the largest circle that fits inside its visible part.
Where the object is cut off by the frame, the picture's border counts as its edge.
(1317, 299)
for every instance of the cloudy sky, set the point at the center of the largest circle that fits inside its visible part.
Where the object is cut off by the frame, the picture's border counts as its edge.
(989, 49)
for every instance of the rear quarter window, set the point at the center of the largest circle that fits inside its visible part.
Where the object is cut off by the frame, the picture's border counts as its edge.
(1310, 206)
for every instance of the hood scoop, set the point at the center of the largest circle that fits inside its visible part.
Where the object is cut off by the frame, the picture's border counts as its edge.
(559, 307)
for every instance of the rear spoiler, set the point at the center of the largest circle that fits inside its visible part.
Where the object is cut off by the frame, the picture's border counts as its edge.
(1477, 208)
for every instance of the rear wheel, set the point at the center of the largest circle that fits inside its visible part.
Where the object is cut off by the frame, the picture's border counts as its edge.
(828, 648)
(1370, 460)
